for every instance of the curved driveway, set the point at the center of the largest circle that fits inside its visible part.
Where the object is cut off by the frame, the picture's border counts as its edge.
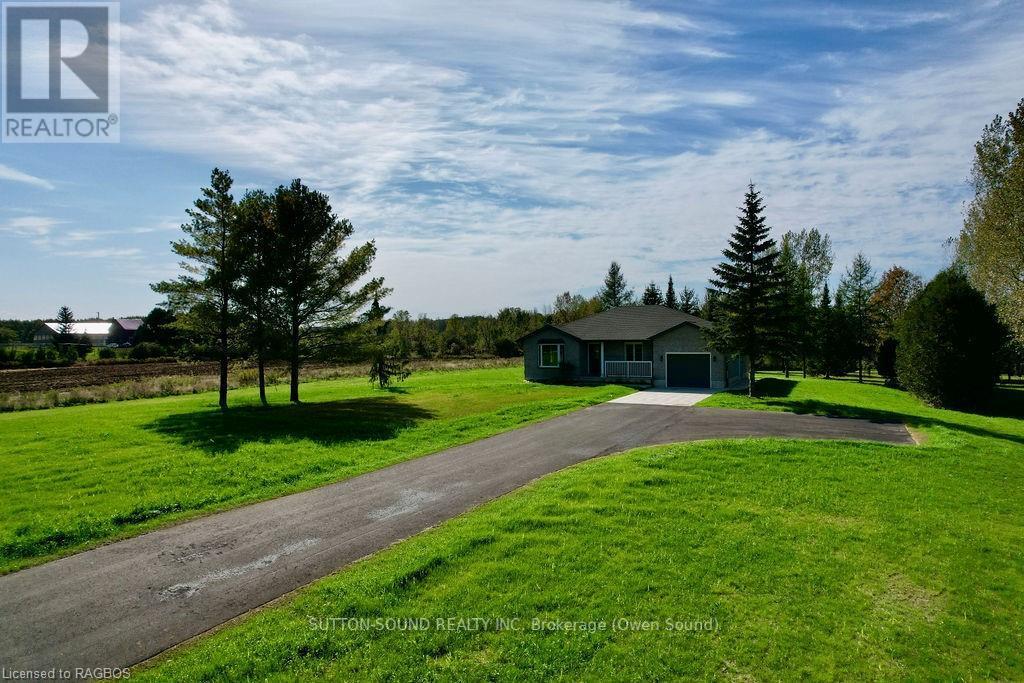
(122, 603)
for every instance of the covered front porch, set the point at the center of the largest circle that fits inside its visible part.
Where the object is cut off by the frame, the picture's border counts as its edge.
(622, 361)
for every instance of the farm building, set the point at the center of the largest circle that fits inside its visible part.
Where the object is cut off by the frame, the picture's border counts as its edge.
(117, 332)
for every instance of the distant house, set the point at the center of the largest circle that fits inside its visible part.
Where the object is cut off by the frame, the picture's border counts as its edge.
(635, 344)
(117, 332)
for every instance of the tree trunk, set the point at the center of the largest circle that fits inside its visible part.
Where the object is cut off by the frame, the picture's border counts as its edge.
(785, 366)
(224, 351)
(860, 370)
(262, 362)
(261, 359)
(294, 395)
(750, 379)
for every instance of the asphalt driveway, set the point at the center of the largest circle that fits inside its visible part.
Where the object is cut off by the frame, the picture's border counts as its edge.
(122, 603)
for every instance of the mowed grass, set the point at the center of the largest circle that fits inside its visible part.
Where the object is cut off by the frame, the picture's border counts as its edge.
(76, 476)
(776, 559)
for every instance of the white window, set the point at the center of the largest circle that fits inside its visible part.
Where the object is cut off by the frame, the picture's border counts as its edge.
(550, 355)
(634, 350)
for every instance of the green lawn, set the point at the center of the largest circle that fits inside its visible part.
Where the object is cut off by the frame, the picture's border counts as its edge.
(821, 560)
(77, 476)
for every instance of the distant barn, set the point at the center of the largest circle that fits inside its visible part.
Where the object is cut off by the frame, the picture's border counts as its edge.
(116, 332)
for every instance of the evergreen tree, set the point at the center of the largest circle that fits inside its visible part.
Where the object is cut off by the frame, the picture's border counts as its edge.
(205, 293)
(746, 318)
(797, 310)
(319, 292)
(652, 295)
(615, 291)
(688, 302)
(710, 305)
(65, 326)
(949, 343)
(856, 289)
(258, 293)
(389, 358)
(670, 295)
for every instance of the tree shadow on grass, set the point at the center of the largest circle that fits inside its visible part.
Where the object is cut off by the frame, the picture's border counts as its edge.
(773, 387)
(815, 407)
(333, 422)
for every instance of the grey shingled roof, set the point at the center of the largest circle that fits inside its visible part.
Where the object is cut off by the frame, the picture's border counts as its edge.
(629, 323)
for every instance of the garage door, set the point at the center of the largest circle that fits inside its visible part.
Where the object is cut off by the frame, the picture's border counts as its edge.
(689, 369)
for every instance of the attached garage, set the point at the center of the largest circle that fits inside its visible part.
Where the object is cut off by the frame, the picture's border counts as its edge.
(688, 370)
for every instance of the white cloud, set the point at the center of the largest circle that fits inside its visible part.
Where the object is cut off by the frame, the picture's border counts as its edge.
(16, 176)
(482, 144)
(29, 226)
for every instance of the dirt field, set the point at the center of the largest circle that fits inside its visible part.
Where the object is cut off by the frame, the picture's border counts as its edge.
(48, 379)
(45, 379)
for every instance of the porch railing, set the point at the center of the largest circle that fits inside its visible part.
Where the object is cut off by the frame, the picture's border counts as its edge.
(629, 369)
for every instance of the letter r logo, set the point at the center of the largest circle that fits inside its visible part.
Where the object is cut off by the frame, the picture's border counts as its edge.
(57, 58)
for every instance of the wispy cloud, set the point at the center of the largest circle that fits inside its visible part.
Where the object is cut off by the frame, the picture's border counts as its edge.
(29, 226)
(500, 153)
(16, 176)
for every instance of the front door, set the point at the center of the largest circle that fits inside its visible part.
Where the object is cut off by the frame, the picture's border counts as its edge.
(594, 359)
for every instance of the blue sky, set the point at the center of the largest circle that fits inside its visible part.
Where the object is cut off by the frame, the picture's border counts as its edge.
(500, 153)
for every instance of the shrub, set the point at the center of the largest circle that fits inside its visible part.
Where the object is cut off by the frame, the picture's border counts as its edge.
(886, 360)
(146, 350)
(949, 341)
(105, 353)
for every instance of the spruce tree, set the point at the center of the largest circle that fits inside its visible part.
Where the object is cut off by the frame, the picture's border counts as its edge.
(670, 295)
(615, 292)
(688, 302)
(746, 316)
(652, 295)
(65, 326)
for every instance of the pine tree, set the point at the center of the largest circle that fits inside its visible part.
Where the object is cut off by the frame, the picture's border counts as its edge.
(688, 302)
(318, 285)
(615, 292)
(258, 293)
(670, 295)
(210, 254)
(746, 317)
(652, 295)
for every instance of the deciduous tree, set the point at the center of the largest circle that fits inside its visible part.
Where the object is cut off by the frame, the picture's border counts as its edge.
(991, 244)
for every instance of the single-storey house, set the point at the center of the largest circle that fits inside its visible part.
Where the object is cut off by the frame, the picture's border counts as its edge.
(634, 344)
